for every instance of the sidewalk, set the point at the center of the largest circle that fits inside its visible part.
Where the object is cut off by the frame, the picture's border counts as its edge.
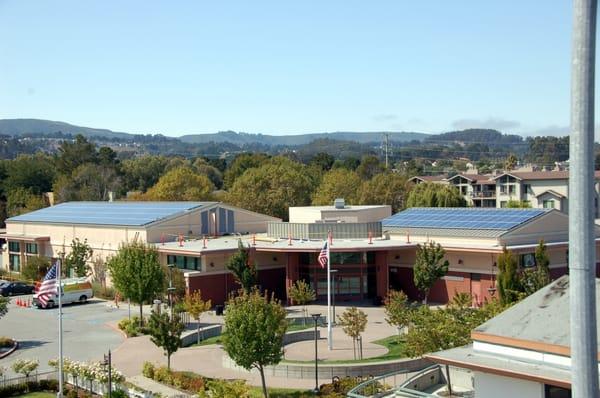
(155, 387)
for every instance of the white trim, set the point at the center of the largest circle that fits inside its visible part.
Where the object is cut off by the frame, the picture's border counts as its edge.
(522, 354)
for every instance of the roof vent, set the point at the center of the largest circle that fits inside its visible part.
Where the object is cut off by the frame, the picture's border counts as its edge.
(339, 203)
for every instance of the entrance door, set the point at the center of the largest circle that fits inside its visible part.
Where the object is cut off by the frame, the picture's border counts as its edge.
(476, 290)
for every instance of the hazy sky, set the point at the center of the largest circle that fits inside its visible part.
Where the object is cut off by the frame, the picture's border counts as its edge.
(177, 67)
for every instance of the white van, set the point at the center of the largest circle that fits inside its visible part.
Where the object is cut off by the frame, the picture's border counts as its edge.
(75, 290)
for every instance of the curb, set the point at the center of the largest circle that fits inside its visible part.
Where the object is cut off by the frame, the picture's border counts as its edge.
(7, 353)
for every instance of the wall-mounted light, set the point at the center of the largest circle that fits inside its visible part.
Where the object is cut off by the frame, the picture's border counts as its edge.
(397, 257)
(212, 264)
(460, 261)
(274, 258)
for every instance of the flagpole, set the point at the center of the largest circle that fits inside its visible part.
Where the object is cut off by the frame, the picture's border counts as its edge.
(60, 331)
(329, 314)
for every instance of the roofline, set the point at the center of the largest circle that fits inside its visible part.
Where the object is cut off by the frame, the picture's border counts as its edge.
(508, 174)
(499, 371)
(522, 343)
(551, 192)
(208, 205)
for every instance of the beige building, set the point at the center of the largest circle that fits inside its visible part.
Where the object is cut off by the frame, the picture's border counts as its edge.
(106, 225)
(541, 189)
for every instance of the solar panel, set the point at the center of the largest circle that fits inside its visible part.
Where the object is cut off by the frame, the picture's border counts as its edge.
(108, 213)
(461, 218)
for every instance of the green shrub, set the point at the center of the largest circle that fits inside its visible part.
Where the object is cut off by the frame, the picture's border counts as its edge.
(148, 370)
(6, 342)
(225, 389)
(71, 394)
(132, 327)
(106, 293)
(32, 386)
(117, 394)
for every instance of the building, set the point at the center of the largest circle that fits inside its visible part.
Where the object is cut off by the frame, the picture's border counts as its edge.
(540, 189)
(367, 263)
(524, 351)
(106, 225)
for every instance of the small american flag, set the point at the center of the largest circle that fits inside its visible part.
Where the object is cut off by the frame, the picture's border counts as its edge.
(48, 286)
(323, 256)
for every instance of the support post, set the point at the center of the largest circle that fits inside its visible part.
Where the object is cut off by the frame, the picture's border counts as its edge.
(582, 262)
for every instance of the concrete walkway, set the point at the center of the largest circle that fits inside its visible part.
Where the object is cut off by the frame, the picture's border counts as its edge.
(155, 387)
(207, 360)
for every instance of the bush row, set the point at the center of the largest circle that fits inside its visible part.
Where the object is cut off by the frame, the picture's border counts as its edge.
(30, 386)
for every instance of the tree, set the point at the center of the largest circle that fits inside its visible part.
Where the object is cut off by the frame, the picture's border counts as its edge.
(240, 164)
(165, 332)
(179, 184)
(385, 188)
(511, 162)
(273, 187)
(214, 175)
(518, 204)
(87, 182)
(532, 280)
(323, 160)
(508, 278)
(301, 294)
(398, 310)
(33, 173)
(255, 328)
(195, 306)
(369, 167)
(99, 270)
(22, 200)
(136, 273)
(431, 194)
(73, 154)
(78, 257)
(141, 173)
(35, 268)
(429, 267)
(354, 322)
(337, 183)
(25, 367)
(3, 306)
(244, 270)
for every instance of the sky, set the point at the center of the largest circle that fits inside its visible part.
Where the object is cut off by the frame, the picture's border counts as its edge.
(285, 67)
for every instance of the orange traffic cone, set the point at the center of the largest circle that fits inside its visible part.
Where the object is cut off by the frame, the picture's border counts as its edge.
(18, 302)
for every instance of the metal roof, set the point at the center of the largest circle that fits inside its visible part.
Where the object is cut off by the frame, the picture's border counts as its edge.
(109, 213)
(461, 218)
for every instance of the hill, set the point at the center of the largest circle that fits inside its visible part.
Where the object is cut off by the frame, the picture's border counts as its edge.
(299, 139)
(24, 127)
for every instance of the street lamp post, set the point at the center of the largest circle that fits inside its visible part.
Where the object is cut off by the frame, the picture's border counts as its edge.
(108, 362)
(316, 318)
(171, 289)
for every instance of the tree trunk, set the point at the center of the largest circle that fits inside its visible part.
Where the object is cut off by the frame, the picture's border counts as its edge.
(141, 315)
(169, 361)
(354, 347)
(426, 295)
(262, 379)
(198, 334)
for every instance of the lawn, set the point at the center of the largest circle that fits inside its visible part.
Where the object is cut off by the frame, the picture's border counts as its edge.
(38, 395)
(395, 351)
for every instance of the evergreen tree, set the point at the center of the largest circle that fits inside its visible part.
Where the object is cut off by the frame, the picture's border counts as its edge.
(244, 271)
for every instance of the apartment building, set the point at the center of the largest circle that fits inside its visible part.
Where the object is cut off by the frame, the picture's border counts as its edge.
(541, 189)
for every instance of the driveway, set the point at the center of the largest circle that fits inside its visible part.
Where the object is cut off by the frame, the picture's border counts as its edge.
(86, 333)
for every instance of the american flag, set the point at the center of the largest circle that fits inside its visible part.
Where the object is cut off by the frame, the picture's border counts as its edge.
(48, 286)
(323, 256)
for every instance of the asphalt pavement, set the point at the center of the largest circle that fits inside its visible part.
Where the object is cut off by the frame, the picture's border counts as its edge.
(87, 335)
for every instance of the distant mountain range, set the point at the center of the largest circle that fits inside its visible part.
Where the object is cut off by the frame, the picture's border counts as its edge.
(28, 127)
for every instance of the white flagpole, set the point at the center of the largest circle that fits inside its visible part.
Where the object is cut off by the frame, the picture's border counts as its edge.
(329, 313)
(60, 331)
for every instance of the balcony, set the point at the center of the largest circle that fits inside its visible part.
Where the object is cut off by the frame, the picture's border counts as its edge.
(483, 195)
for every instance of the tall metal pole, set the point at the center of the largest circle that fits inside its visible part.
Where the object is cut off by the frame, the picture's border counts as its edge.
(109, 375)
(582, 264)
(329, 312)
(60, 328)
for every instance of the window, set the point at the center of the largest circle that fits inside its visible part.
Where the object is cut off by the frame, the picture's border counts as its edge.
(14, 262)
(556, 392)
(512, 189)
(548, 204)
(184, 262)
(527, 260)
(31, 248)
(503, 204)
(14, 247)
(527, 188)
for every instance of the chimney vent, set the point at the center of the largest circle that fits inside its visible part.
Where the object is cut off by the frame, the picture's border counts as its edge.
(339, 203)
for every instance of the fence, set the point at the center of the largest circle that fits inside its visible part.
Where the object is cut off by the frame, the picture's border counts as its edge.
(5, 382)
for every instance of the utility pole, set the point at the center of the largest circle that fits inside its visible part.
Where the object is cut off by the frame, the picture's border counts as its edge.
(582, 248)
(386, 141)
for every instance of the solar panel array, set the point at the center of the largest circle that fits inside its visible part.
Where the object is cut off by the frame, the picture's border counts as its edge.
(108, 213)
(461, 218)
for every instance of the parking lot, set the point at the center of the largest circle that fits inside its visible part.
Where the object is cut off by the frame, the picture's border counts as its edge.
(86, 335)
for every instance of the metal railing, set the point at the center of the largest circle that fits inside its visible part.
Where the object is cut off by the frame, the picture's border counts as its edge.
(382, 386)
(5, 382)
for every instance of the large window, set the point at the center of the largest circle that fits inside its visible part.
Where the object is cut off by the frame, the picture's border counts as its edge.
(14, 247)
(31, 248)
(184, 262)
(14, 262)
(548, 204)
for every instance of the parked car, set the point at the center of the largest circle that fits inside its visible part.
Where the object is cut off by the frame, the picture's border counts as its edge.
(16, 288)
(76, 290)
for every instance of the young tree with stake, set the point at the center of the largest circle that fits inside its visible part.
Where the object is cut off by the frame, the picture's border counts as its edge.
(195, 306)
(429, 267)
(165, 332)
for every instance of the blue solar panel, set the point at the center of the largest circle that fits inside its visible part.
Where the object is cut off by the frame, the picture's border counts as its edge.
(108, 213)
(461, 218)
